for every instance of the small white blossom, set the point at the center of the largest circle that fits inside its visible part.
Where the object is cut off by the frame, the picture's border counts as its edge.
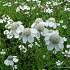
(58, 63)
(37, 44)
(1, 20)
(30, 45)
(7, 4)
(65, 39)
(22, 48)
(49, 10)
(64, 26)
(68, 46)
(51, 23)
(23, 7)
(15, 60)
(66, 53)
(2, 52)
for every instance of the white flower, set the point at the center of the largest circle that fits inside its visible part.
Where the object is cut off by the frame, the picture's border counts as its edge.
(65, 39)
(2, 52)
(48, 10)
(6, 32)
(37, 44)
(6, 18)
(44, 56)
(41, 30)
(58, 63)
(64, 26)
(28, 35)
(22, 7)
(1, 20)
(16, 2)
(15, 28)
(9, 61)
(37, 21)
(30, 45)
(48, 2)
(68, 46)
(15, 60)
(66, 53)
(7, 4)
(51, 23)
(54, 41)
(9, 35)
(22, 48)
(39, 25)
(17, 9)
(15, 66)
(51, 19)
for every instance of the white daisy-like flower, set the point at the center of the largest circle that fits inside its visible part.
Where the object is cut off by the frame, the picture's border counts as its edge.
(39, 25)
(9, 61)
(28, 35)
(54, 41)
(15, 28)
(37, 21)
(15, 60)
(51, 23)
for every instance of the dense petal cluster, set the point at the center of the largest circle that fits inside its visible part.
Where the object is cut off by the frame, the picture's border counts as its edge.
(11, 61)
(39, 28)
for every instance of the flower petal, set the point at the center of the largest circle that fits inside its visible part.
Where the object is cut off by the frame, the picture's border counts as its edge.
(34, 32)
(57, 48)
(24, 39)
(45, 32)
(50, 46)
(30, 39)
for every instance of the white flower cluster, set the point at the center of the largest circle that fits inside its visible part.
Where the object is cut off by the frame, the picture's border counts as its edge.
(39, 28)
(23, 7)
(67, 52)
(8, 4)
(58, 63)
(22, 48)
(11, 61)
